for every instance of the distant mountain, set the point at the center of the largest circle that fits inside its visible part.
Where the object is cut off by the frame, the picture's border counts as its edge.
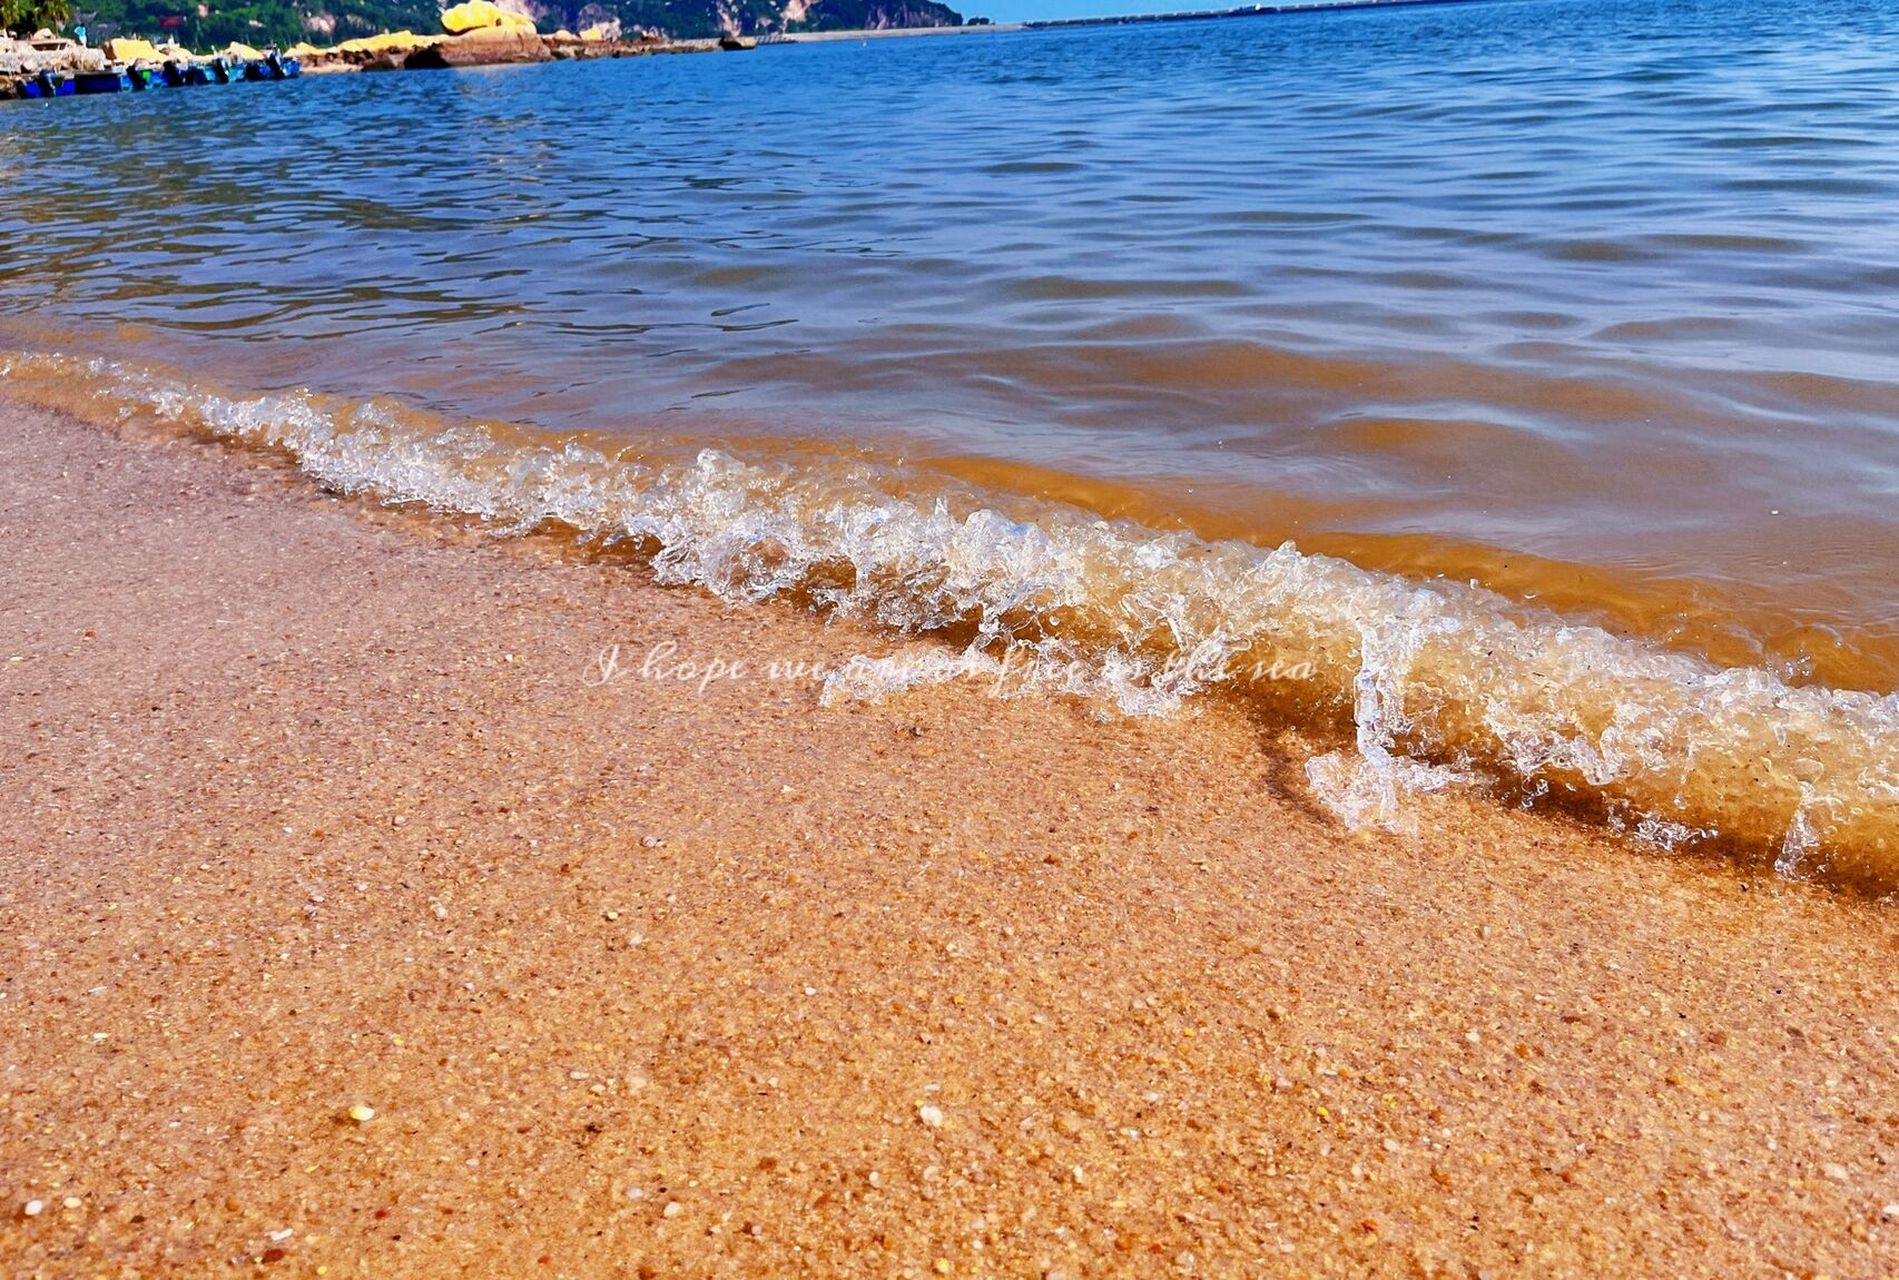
(204, 24)
(689, 19)
(869, 15)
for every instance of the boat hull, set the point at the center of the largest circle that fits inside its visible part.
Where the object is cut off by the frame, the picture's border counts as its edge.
(273, 67)
(56, 84)
(182, 75)
(87, 83)
(46, 85)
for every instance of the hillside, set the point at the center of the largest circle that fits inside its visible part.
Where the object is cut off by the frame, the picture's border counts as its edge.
(283, 22)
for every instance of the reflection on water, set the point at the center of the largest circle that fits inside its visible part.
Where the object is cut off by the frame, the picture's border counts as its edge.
(1591, 300)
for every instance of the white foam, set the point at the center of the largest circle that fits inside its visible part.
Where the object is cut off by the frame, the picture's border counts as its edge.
(1438, 682)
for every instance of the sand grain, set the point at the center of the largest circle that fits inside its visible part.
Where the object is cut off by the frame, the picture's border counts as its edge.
(348, 926)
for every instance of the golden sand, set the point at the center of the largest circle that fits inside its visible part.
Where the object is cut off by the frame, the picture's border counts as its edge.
(350, 925)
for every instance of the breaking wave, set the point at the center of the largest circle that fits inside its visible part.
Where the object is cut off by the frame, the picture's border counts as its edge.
(1432, 683)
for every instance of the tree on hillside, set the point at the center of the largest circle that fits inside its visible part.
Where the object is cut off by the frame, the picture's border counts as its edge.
(216, 23)
(27, 16)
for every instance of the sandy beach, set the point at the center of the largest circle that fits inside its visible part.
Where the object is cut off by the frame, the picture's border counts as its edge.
(351, 924)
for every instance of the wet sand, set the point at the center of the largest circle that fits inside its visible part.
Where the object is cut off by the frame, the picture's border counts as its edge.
(308, 807)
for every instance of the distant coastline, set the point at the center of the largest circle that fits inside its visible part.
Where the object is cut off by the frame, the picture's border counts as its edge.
(495, 45)
(882, 33)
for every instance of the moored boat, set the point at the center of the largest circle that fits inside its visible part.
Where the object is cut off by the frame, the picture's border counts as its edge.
(178, 75)
(91, 82)
(172, 68)
(48, 84)
(273, 66)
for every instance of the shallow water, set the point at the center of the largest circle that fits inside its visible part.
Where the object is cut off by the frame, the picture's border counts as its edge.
(1588, 303)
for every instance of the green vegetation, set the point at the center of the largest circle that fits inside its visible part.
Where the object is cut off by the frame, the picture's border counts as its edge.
(255, 22)
(213, 24)
(696, 19)
(27, 16)
(692, 19)
(855, 15)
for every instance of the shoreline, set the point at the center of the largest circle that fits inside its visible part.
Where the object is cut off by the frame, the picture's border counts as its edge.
(320, 806)
(1737, 766)
(889, 33)
(502, 46)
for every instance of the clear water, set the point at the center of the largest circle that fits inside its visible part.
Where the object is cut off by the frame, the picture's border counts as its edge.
(1047, 340)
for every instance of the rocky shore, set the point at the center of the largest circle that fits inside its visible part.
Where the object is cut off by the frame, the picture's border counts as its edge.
(46, 52)
(20, 61)
(494, 47)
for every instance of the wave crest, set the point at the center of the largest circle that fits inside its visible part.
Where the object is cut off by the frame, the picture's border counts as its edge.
(1437, 682)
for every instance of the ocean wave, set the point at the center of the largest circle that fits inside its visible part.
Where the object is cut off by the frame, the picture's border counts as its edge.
(1433, 684)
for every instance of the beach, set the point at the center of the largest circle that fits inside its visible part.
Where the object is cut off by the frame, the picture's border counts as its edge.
(365, 911)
